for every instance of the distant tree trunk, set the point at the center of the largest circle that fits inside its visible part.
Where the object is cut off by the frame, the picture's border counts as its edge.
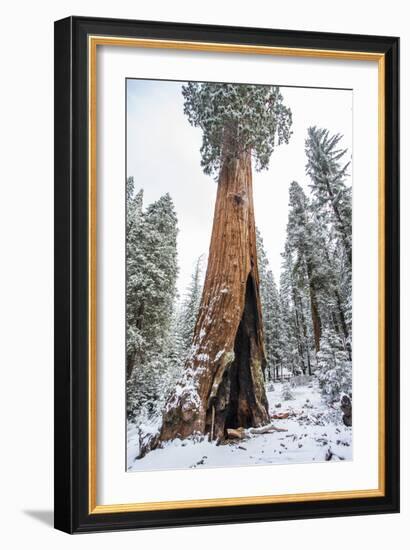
(317, 328)
(306, 345)
(338, 299)
(299, 328)
(316, 322)
(223, 384)
(342, 226)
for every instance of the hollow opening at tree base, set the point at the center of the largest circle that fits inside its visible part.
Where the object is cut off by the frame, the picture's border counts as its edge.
(235, 403)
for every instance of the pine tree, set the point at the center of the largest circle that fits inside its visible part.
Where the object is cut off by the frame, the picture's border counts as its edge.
(336, 281)
(190, 307)
(293, 297)
(135, 251)
(328, 175)
(174, 358)
(301, 238)
(271, 313)
(289, 350)
(315, 292)
(274, 327)
(334, 367)
(151, 288)
(287, 394)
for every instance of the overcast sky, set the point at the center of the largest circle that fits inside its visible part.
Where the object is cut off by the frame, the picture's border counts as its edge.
(163, 156)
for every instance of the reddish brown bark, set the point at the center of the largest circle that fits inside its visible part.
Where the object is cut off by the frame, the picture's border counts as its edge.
(223, 384)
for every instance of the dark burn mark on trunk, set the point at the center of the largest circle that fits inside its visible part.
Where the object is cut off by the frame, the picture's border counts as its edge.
(235, 401)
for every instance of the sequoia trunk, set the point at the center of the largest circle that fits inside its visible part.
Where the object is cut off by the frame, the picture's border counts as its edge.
(223, 383)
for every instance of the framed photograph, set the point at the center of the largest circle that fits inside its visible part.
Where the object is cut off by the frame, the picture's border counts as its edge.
(226, 274)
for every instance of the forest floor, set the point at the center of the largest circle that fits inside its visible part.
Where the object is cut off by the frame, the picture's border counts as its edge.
(315, 433)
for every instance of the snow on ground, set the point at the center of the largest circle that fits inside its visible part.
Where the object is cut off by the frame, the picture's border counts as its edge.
(315, 433)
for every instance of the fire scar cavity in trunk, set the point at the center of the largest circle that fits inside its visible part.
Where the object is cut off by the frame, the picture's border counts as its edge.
(235, 404)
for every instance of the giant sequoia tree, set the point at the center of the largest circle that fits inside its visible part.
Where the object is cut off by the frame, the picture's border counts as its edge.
(223, 381)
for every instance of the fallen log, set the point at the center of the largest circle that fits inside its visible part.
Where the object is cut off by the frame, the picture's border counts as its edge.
(280, 416)
(238, 433)
(270, 428)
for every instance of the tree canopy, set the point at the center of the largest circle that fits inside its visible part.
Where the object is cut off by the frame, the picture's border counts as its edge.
(235, 118)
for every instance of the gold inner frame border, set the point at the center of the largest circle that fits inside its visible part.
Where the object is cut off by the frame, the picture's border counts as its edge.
(93, 43)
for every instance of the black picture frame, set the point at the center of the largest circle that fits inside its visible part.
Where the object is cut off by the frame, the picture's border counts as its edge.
(71, 492)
